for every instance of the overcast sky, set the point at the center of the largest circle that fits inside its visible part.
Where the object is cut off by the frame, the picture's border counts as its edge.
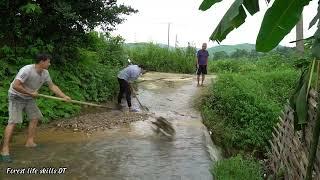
(188, 24)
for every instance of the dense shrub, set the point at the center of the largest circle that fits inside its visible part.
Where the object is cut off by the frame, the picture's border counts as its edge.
(91, 76)
(237, 168)
(243, 105)
(162, 59)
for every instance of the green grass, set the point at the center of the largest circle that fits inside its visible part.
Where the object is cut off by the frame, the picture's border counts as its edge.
(243, 105)
(237, 168)
(161, 59)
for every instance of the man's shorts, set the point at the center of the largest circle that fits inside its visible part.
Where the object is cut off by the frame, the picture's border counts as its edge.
(202, 69)
(18, 105)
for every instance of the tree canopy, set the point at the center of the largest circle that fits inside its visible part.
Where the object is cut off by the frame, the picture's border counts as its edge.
(55, 26)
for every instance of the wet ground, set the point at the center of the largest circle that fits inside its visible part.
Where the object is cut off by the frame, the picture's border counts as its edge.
(127, 148)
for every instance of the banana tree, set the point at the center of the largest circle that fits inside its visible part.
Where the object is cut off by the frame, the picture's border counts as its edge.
(278, 21)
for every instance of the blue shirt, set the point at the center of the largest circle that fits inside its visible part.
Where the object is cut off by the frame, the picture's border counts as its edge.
(202, 56)
(130, 73)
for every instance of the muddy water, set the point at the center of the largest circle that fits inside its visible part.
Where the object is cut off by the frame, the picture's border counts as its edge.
(136, 151)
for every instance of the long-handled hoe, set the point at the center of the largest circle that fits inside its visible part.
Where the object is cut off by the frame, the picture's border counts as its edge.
(161, 122)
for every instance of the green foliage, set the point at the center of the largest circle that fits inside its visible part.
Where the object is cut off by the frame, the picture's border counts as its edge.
(229, 49)
(91, 78)
(61, 25)
(244, 51)
(156, 58)
(246, 100)
(31, 8)
(220, 55)
(206, 4)
(237, 168)
(234, 17)
(278, 21)
(108, 49)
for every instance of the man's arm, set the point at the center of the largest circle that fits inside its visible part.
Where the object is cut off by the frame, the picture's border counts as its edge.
(197, 60)
(207, 58)
(56, 90)
(18, 86)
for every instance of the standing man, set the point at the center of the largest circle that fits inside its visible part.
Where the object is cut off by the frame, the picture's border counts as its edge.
(22, 93)
(202, 62)
(125, 78)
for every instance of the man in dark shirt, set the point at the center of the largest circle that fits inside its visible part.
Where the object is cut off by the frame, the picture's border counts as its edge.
(202, 62)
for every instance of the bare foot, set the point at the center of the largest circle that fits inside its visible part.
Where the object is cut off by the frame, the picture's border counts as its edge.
(31, 145)
(198, 85)
(4, 150)
(5, 153)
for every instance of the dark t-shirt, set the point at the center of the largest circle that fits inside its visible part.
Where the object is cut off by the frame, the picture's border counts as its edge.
(202, 56)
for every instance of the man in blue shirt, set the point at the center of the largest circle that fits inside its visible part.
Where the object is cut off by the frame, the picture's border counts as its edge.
(125, 78)
(202, 62)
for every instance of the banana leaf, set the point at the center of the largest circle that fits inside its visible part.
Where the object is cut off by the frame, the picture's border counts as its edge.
(316, 44)
(252, 6)
(316, 17)
(298, 101)
(206, 4)
(234, 17)
(278, 22)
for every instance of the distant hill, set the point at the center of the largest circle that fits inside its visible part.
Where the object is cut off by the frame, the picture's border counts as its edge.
(229, 49)
(142, 44)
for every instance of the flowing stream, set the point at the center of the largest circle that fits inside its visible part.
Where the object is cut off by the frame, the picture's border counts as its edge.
(132, 152)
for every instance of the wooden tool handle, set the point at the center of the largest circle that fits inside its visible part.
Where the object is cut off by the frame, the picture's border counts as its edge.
(72, 101)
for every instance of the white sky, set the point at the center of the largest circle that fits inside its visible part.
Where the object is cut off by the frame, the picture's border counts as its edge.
(189, 24)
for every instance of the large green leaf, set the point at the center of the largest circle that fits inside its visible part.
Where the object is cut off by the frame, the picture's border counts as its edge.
(302, 105)
(278, 22)
(298, 100)
(316, 17)
(234, 17)
(206, 4)
(316, 45)
(252, 6)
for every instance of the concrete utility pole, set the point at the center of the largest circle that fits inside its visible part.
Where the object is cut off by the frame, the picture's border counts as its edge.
(299, 36)
(176, 43)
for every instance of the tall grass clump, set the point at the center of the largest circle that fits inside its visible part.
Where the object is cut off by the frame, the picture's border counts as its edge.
(243, 105)
(163, 59)
(237, 168)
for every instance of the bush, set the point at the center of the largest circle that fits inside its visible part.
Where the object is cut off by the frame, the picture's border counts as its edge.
(237, 168)
(244, 103)
(162, 59)
(88, 77)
